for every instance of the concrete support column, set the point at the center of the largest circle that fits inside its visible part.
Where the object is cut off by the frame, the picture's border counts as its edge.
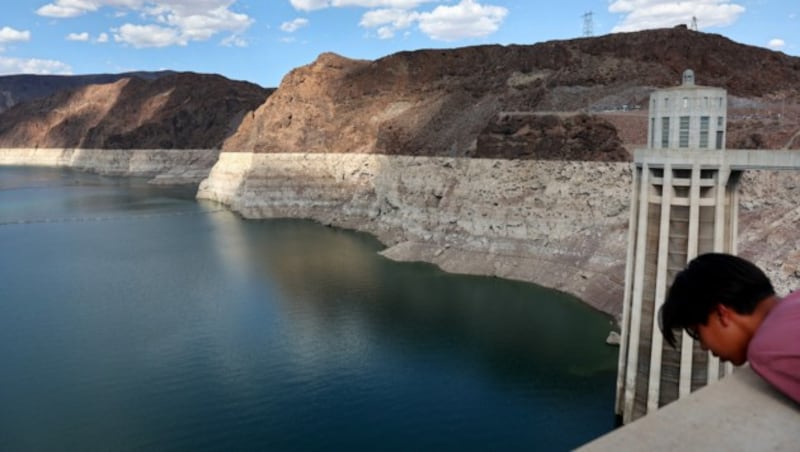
(626, 305)
(656, 342)
(637, 291)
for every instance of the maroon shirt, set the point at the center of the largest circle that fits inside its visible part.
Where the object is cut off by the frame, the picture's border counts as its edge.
(774, 351)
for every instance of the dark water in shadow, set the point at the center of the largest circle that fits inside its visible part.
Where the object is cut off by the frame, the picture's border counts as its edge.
(133, 317)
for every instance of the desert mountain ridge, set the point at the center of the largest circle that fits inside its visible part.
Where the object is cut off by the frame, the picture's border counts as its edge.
(552, 100)
(18, 88)
(172, 111)
(578, 99)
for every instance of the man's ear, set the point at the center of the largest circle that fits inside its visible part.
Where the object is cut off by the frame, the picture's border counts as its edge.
(724, 313)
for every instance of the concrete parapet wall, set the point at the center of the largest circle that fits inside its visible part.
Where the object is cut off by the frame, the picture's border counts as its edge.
(738, 413)
(735, 159)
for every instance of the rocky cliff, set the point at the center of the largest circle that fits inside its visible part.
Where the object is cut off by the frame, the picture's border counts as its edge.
(552, 100)
(16, 89)
(130, 125)
(180, 111)
(508, 161)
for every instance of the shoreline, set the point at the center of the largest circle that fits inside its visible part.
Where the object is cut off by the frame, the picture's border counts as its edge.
(558, 224)
(163, 166)
(542, 222)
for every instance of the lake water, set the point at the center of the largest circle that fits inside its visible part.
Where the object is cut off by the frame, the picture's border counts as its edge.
(133, 317)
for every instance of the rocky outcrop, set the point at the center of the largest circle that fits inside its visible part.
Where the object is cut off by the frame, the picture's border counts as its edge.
(179, 111)
(447, 103)
(552, 137)
(769, 222)
(547, 100)
(20, 88)
(169, 128)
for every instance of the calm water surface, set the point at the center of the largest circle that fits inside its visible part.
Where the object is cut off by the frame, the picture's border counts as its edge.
(133, 317)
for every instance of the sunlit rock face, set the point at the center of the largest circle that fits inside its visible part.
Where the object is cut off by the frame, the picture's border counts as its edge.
(20, 88)
(179, 111)
(580, 99)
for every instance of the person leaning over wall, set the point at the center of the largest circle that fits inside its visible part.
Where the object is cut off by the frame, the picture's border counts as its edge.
(729, 305)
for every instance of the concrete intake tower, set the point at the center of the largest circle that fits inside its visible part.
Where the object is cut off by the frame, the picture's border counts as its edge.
(684, 203)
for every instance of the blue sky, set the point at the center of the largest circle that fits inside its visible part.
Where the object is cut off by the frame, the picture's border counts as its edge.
(261, 40)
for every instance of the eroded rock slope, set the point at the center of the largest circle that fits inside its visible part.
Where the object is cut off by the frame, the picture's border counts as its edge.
(179, 111)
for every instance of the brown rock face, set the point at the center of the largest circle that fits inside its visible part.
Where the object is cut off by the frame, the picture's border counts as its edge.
(181, 111)
(495, 101)
(15, 89)
(550, 137)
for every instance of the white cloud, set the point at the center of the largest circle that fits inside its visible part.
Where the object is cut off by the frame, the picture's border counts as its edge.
(645, 14)
(398, 18)
(776, 43)
(148, 36)
(78, 36)
(32, 66)
(386, 32)
(174, 22)
(388, 21)
(8, 34)
(310, 5)
(66, 8)
(234, 41)
(294, 25)
(394, 4)
(200, 24)
(102, 37)
(467, 19)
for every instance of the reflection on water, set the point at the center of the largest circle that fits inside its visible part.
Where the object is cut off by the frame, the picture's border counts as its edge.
(497, 319)
(206, 332)
(26, 195)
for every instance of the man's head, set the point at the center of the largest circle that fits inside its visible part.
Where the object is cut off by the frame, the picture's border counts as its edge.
(711, 299)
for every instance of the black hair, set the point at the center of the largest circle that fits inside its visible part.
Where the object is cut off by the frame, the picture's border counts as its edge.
(708, 280)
